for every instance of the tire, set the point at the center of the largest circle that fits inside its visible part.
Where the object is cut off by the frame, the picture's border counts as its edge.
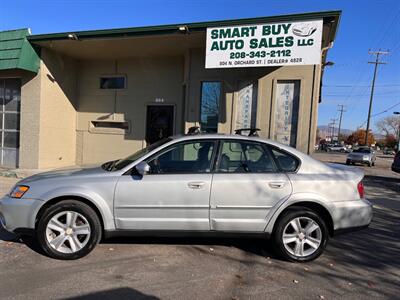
(373, 164)
(347, 162)
(283, 225)
(369, 164)
(58, 234)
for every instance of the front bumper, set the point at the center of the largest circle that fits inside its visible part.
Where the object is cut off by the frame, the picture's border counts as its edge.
(18, 213)
(359, 160)
(348, 215)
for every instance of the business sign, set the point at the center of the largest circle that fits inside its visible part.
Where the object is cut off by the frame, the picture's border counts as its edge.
(275, 44)
(286, 112)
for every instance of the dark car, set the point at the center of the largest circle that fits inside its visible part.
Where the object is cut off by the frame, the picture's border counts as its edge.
(396, 163)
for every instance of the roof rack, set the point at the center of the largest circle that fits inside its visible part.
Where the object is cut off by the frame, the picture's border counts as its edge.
(252, 131)
(194, 130)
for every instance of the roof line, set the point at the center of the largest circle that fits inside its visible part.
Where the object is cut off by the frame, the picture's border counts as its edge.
(172, 28)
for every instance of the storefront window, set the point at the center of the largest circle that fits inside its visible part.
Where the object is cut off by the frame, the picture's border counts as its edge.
(209, 109)
(286, 111)
(10, 103)
(115, 82)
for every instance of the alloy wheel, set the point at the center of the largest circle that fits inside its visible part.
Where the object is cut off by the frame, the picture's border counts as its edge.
(302, 236)
(68, 232)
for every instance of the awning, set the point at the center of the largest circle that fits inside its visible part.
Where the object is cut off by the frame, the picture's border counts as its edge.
(16, 52)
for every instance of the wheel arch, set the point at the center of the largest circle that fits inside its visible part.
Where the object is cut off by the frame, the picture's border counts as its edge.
(56, 200)
(318, 208)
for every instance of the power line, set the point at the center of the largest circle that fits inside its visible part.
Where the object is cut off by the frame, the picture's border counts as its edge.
(380, 113)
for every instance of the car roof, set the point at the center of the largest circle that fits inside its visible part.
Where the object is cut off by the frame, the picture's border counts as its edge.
(221, 136)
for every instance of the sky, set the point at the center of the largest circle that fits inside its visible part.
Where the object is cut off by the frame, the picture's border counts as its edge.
(365, 25)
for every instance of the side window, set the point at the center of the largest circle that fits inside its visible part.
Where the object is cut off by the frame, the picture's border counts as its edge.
(245, 157)
(189, 157)
(286, 162)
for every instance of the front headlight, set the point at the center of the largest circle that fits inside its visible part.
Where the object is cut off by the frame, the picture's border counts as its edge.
(18, 191)
(365, 157)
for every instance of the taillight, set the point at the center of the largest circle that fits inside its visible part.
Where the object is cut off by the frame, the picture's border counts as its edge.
(360, 188)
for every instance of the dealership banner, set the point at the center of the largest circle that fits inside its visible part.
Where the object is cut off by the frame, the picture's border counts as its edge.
(275, 44)
(246, 107)
(286, 112)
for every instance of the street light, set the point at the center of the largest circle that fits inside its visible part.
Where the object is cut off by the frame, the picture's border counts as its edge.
(398, 137)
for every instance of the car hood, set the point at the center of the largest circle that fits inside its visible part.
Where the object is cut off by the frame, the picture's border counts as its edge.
(73, 172)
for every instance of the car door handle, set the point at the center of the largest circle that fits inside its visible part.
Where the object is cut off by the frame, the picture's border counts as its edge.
(277, 184)
(196, 185)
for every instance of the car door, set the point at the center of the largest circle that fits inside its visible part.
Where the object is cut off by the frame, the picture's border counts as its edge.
(174, 195)
(246, 185)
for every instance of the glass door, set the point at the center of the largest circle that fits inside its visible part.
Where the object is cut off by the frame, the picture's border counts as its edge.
(10, 105)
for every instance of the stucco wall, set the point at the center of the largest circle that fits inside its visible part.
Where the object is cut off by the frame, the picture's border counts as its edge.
(57, 137)
(267, 79)
(147, 79)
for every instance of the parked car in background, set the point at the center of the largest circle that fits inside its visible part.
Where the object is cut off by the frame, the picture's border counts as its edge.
(336, 148)
(362, 155)
(396, 163)
(192, 184)
(389, 151)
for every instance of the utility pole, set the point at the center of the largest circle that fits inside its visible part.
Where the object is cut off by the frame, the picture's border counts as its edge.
(330, 131)
(333, 122)
(376, 63)
(341, 109)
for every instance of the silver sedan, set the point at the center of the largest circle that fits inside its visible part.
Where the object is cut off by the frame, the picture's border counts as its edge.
(362, 155)
(193, 184)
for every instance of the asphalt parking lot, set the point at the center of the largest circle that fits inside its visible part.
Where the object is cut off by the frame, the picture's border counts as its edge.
(359, 265)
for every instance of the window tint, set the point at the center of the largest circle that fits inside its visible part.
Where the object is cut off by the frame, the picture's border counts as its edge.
(286, 162)
(190, 157)
(244, 157)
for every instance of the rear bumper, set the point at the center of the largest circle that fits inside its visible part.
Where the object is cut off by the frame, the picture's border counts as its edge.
(18, 213)
(348, 230)
(351, 215)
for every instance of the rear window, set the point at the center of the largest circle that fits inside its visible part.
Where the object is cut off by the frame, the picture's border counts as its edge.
(286, 162)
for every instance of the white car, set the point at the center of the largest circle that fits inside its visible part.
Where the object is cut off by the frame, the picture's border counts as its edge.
(336, 148)
(194, 184)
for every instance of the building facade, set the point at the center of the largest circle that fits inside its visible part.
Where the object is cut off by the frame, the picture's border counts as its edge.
(87, 97)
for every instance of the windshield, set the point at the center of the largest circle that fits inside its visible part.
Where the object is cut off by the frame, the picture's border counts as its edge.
(363, 151)
(122, 163)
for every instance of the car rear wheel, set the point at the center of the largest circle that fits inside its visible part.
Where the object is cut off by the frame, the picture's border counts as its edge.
(300, 235)
(68, 230)
(347, 162)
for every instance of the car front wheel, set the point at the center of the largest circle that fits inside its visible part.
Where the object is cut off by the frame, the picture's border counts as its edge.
(300, 235)
(68, 230)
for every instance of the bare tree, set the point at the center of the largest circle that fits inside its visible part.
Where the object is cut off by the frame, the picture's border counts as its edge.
(389, 125)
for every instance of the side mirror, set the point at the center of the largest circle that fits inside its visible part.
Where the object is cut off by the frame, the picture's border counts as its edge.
(142, 168)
